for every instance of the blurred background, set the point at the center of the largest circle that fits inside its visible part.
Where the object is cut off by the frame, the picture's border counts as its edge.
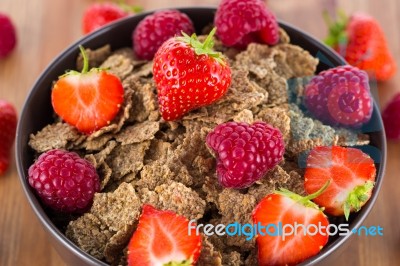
(46, 27)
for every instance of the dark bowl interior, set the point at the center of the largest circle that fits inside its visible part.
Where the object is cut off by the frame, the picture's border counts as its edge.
(37, 113)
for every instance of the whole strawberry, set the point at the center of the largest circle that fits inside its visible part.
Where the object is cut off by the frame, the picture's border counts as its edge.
(8, 125)
(8, 38)
(362, 42)
(340, 97)
(351, 173)
(64, 181)
(155, 29)
(189, 75)
(391, 118)
(242, 22)
(245, 153)
(99, 14)
(88, 100)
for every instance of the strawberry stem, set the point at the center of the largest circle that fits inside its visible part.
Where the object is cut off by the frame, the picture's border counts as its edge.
(85, 60)
(305, 201)
(359, 195)
(203, 48)
(318, 192)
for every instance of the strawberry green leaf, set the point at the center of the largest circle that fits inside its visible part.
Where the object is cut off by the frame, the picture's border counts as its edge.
(357, 198)
(128, 8)
(203, 48)
(337, 36)
(179, 263)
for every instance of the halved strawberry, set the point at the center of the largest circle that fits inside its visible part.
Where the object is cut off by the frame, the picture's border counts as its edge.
(352, 175)
(88, 100)
(286, 208)
(162, 238)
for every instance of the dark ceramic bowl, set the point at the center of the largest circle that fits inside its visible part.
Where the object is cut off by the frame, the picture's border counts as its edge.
(37, 113)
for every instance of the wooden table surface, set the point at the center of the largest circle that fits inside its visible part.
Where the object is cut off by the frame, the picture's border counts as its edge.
(47, 27)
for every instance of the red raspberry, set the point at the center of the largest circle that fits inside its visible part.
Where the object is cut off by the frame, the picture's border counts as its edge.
(245, 153)
(241, 22)
(340, 97)
(155, 29)
(8, 38)
(391, 118)
(64, 181)
(8, 125)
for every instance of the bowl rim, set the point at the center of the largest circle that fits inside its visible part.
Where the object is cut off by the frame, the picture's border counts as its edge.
(57, 235)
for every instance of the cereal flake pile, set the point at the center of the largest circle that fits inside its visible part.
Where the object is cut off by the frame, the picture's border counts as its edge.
(141, 158)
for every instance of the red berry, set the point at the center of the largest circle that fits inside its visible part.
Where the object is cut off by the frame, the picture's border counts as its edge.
(340, 97)
(163, 238)
(8, 125)
(241, 22)
(155, 29)
(245, 153)
(97, 15)
(362, 42)
(189, 75)
(286, 209)
(8, 38)
(88, 100)
(391, 118)
(351, 173)
(64, 181)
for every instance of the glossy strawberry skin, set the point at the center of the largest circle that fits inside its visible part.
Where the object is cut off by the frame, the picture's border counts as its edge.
(88, 101)
(346, 168)
(185, 80)
(162, 237)
(272, 249)
(367, 47)
(8, 125)
(100, 14)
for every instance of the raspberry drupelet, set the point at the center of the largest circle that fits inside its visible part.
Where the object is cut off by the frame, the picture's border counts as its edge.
(155, 29)
(64, 181)
(245, 153)
(240, 23)
(340, 97)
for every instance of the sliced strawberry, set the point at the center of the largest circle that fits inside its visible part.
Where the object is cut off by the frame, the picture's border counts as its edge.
(287, 208)
(87, 100)
(352, 175)
(162, 238)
